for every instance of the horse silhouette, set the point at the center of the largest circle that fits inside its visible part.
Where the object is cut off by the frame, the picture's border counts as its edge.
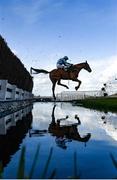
(56, 75)
(64, 132)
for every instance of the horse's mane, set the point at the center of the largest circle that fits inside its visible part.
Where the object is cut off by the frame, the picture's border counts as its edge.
(79, 63)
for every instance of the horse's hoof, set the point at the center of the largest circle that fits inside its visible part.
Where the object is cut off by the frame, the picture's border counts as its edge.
(76, 88)
(67, 87)
(54, 99)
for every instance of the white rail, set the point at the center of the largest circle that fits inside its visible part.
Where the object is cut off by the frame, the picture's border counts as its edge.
(11, 92)
(74, 95)
(10, 120)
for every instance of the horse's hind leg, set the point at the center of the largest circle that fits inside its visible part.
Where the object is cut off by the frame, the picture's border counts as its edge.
(59, 83)
(53, 89)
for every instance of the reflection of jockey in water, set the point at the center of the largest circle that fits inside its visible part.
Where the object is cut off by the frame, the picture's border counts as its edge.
(64, 133)
(63, 64)
(61, 142)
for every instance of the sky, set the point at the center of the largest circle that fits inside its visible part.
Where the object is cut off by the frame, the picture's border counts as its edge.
(40, 32)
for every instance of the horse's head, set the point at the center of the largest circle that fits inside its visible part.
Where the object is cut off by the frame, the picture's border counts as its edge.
(87, 67)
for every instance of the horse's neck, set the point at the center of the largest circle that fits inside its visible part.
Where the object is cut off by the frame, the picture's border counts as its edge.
(79, 66)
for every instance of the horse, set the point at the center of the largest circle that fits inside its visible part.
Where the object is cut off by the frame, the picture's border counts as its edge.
(56, 75)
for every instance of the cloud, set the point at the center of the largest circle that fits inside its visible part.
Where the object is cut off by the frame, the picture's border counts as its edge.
(109, 69)
(104, 70)
(28, 12)
(32, 11)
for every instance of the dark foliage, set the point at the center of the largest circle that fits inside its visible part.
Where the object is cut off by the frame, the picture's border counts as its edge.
(12, 69)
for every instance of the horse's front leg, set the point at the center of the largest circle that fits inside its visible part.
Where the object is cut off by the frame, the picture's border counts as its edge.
(79, 83)
(59, 83)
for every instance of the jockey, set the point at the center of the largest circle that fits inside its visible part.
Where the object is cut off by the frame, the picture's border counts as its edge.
(63, 64)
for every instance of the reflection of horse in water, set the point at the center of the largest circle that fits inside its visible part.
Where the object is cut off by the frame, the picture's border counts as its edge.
(63, 132)
(57, 75)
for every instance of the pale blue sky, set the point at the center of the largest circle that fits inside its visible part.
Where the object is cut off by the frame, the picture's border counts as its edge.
(41, 31)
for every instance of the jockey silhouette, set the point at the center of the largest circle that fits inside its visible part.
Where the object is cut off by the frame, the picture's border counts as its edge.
(63, 64)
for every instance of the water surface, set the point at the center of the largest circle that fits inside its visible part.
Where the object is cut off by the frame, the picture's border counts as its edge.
(68, 129)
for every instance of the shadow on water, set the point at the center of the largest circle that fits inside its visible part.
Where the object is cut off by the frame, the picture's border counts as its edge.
(13, 129)
(63, 133)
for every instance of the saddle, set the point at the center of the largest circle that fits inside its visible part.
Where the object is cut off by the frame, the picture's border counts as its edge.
(70, 68)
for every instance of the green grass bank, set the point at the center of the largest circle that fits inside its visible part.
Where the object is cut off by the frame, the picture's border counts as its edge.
(102, 103)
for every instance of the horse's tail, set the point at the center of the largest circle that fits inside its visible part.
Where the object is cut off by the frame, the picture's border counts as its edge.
(37, 71)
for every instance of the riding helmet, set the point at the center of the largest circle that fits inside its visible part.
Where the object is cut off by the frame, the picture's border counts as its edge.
(65, 57)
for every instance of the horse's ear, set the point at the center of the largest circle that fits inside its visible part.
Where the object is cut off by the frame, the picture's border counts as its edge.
(86, 61)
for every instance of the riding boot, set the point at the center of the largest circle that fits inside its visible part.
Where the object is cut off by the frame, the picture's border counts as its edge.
(66, 69)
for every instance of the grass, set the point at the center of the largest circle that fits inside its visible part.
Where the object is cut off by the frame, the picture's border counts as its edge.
(43, 174)
(114, 162)
(103, 103)
(21, 168)
(52, 175)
